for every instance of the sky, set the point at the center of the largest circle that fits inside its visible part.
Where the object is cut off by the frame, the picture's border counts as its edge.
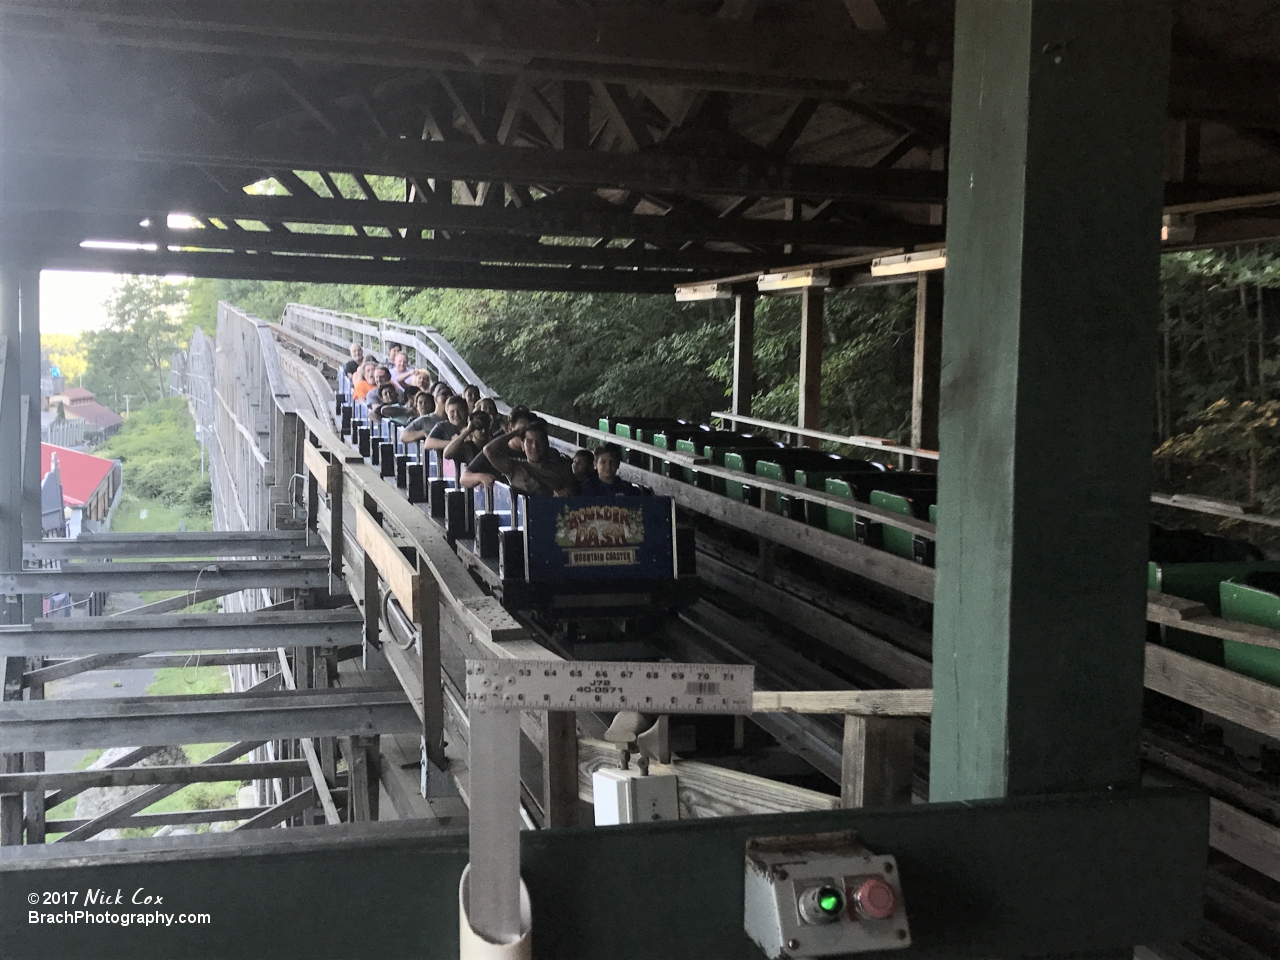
(72, 302)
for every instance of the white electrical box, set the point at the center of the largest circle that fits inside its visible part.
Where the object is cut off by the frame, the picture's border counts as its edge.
(628, 796)
(822, 896)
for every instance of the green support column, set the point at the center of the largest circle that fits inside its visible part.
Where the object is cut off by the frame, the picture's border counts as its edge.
(1047, 389)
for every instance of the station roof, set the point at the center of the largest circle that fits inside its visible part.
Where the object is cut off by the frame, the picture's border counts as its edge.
(82, 474)
(574, 145)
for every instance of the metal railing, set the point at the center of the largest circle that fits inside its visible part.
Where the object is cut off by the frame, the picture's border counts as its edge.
(878, 444)
(427, 347)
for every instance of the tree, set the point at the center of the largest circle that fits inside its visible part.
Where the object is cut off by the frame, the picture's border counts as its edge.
(65, 351)
(131, 354)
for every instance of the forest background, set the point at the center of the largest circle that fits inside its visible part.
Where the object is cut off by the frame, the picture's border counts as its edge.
(1216, 416)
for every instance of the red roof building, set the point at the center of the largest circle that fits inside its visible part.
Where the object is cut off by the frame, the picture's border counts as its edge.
(88, 482)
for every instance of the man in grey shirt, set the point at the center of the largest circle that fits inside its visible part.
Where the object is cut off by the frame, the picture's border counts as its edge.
(542, 473)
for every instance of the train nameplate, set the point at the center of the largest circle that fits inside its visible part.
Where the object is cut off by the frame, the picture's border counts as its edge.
(610, 685)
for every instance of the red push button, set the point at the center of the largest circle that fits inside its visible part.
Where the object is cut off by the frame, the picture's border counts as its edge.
(875, 899)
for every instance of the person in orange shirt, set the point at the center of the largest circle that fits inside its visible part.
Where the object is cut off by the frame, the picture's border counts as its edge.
(365, 383)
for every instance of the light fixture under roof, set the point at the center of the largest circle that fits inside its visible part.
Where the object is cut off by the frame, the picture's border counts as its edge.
(917, 262)
(793, 280)
(117, 245)
(688, 293)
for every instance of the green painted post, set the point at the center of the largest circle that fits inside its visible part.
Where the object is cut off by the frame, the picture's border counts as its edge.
(1047, 389)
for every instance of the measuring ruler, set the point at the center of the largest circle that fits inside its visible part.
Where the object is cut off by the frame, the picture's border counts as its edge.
(610, 685)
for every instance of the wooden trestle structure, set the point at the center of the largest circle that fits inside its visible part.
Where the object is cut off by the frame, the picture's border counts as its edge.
(725, 147)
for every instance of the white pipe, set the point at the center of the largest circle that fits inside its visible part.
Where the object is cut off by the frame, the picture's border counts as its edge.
(472, 946)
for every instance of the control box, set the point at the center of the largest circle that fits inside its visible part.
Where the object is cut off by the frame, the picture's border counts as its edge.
(822, 896)
(629, 796)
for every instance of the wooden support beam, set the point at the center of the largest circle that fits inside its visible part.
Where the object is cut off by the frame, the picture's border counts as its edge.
(577, 115)
(744, 353)
(926, 373)
(139, 546)
(624, 113)
(95, 202)
(428, 624)
(11, 668)
(1055, 209)
(11, 764)
(231, 574)
(389, 562)
(321, 762)
(866, 15)
(133, 756)
(58, 636)
(876, 761)
(792, 129)
(1221, 692)
(560, 769)
(147, 821)
(78, 780)
(862, 703)
(811, 308)
(286, 809)
(204, 718)
(153, 661)
(320, 269)
(32, 803)
(1245, 838)
(362, 778)
(123, 811)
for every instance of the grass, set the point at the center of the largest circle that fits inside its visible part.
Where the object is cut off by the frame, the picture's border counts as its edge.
(159, 519)
(188, 680)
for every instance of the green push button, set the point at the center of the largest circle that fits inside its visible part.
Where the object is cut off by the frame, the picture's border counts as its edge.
(821, 904)
(830, 901)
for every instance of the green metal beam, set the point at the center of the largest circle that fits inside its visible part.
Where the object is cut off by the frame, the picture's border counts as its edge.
(1047, 387)
(987, 879)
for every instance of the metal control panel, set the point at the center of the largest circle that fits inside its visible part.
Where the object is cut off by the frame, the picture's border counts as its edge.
(822, 896)
(609, 685)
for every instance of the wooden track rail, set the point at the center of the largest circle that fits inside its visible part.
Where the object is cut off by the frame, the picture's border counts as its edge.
(410, 559)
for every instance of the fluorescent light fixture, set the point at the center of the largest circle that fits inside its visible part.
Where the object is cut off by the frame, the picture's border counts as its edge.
(793, 280)
(702, 291)
(116, 245)
(917, 262)
(184, 221)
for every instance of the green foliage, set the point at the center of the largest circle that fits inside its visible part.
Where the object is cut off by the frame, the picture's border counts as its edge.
(161, 460)
(1235, 442)
(66, 352)
(583, 355)
(130, 355)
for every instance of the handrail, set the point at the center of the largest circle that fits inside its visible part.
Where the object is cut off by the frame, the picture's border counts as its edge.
(1179, 501)
(1217, 508)
(332, 357)
(869, 443)
(300, 319)
(703, 465)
